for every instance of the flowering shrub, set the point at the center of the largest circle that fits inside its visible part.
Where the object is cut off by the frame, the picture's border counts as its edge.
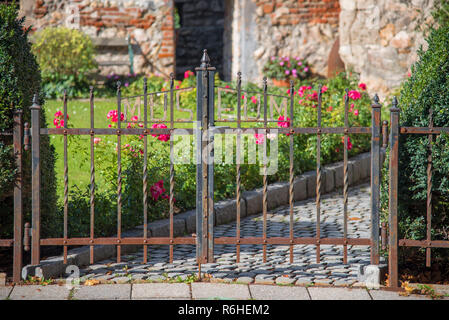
(286, 68)
(158, 159)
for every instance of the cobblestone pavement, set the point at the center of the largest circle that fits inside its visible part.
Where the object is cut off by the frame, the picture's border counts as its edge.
(251, 269)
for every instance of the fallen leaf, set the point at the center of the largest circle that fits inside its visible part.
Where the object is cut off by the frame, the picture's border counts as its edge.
(91, 282)
(355, 219)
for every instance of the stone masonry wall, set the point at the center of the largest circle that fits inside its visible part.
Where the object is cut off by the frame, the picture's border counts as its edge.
(379, 39)
(148, 22)
(305, 28)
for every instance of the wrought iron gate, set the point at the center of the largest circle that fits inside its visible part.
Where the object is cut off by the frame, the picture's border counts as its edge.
(204, 134)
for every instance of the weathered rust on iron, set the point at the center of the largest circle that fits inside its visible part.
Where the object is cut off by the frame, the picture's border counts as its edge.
(393, 195)
(318, 178)
(429, 191)
(92, 174)
(18, 196)
(119, 171)
(238, 161)
(66, 177)
(291, 170)
(375, 178)
(345, 178)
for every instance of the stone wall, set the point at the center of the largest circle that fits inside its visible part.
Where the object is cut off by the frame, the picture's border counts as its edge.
(148, 22)
(379, 39)
(305, 28)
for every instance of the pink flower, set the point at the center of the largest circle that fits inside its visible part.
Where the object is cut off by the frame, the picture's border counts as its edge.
(324, 89)
(352, 107)
(282, 123)
(97, 140)
(306, 69)
(134, 118)
(281, 63)
(58, 114)
(354, 94)
(254, 99)
(113, 115)
(356, 112)
(294, 71)
(330, 108)
(227, 86)
(161, 137)
(157, 190)
(287, 72)
(259, 138)
(177, 87)
(362, 86)
(186, 74)
(56, 121)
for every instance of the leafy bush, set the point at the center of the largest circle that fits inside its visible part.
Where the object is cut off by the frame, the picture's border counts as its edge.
(19, 81)
(286, 68)
(66, 57)
(426, 89)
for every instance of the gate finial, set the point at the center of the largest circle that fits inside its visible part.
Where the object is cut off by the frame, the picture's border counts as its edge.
(205, 60)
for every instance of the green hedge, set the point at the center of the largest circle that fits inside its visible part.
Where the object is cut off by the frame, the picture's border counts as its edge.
(427, 88)
(19, 80)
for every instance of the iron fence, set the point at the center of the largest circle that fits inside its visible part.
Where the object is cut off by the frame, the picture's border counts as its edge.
(204, 134)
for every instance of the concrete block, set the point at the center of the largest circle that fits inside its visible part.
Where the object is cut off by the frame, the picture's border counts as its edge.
(261, 292)
(354, 168)
(253, 201)
(161, 228)
(2, 279)
(372, 275)
(189, 218)
(337, 168)
(317, 293)
(300, 189)
(226, 211)
(310, 177)
(219, 291)
(103, 292)
(37, 292)
(160, 290)
(328, 183)
(4, 292)
(277, 195)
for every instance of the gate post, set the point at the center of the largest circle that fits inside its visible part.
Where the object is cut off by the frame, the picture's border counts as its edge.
(18, 200)
(393, 195)
(204, 161)
(375, 178)
(35, 182)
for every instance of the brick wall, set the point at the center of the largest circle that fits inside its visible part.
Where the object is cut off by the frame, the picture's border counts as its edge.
(301, 11)
(150, 23)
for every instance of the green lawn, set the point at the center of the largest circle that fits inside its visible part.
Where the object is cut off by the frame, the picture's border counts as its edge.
(79, 146)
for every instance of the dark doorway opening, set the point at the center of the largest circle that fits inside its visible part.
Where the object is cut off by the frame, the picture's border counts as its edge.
(199, 25)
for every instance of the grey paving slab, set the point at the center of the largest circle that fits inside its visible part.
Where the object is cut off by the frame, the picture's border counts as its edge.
(219, 291)
(160, 290)
(4, 292)
(329, 293)
(103, 292)
(260, 292)
(390, 295)
(37, 292)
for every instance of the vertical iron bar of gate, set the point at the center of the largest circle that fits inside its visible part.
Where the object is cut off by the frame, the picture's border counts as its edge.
(375, 179)
(204, 189)
(291, 173)
(35, 182)
(18, 204)
(210, 163)
(92, 174)
(172, 166)
(264, 163)
(238, 160)
(429, 192)
(393, 195)
(66, 178)
(145, 174)
(119, 170)
(345, 181)
(318, 178)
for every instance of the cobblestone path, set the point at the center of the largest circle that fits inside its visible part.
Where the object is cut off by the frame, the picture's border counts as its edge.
(251, 269)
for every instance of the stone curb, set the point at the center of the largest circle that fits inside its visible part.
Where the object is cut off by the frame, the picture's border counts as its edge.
(224, 211)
